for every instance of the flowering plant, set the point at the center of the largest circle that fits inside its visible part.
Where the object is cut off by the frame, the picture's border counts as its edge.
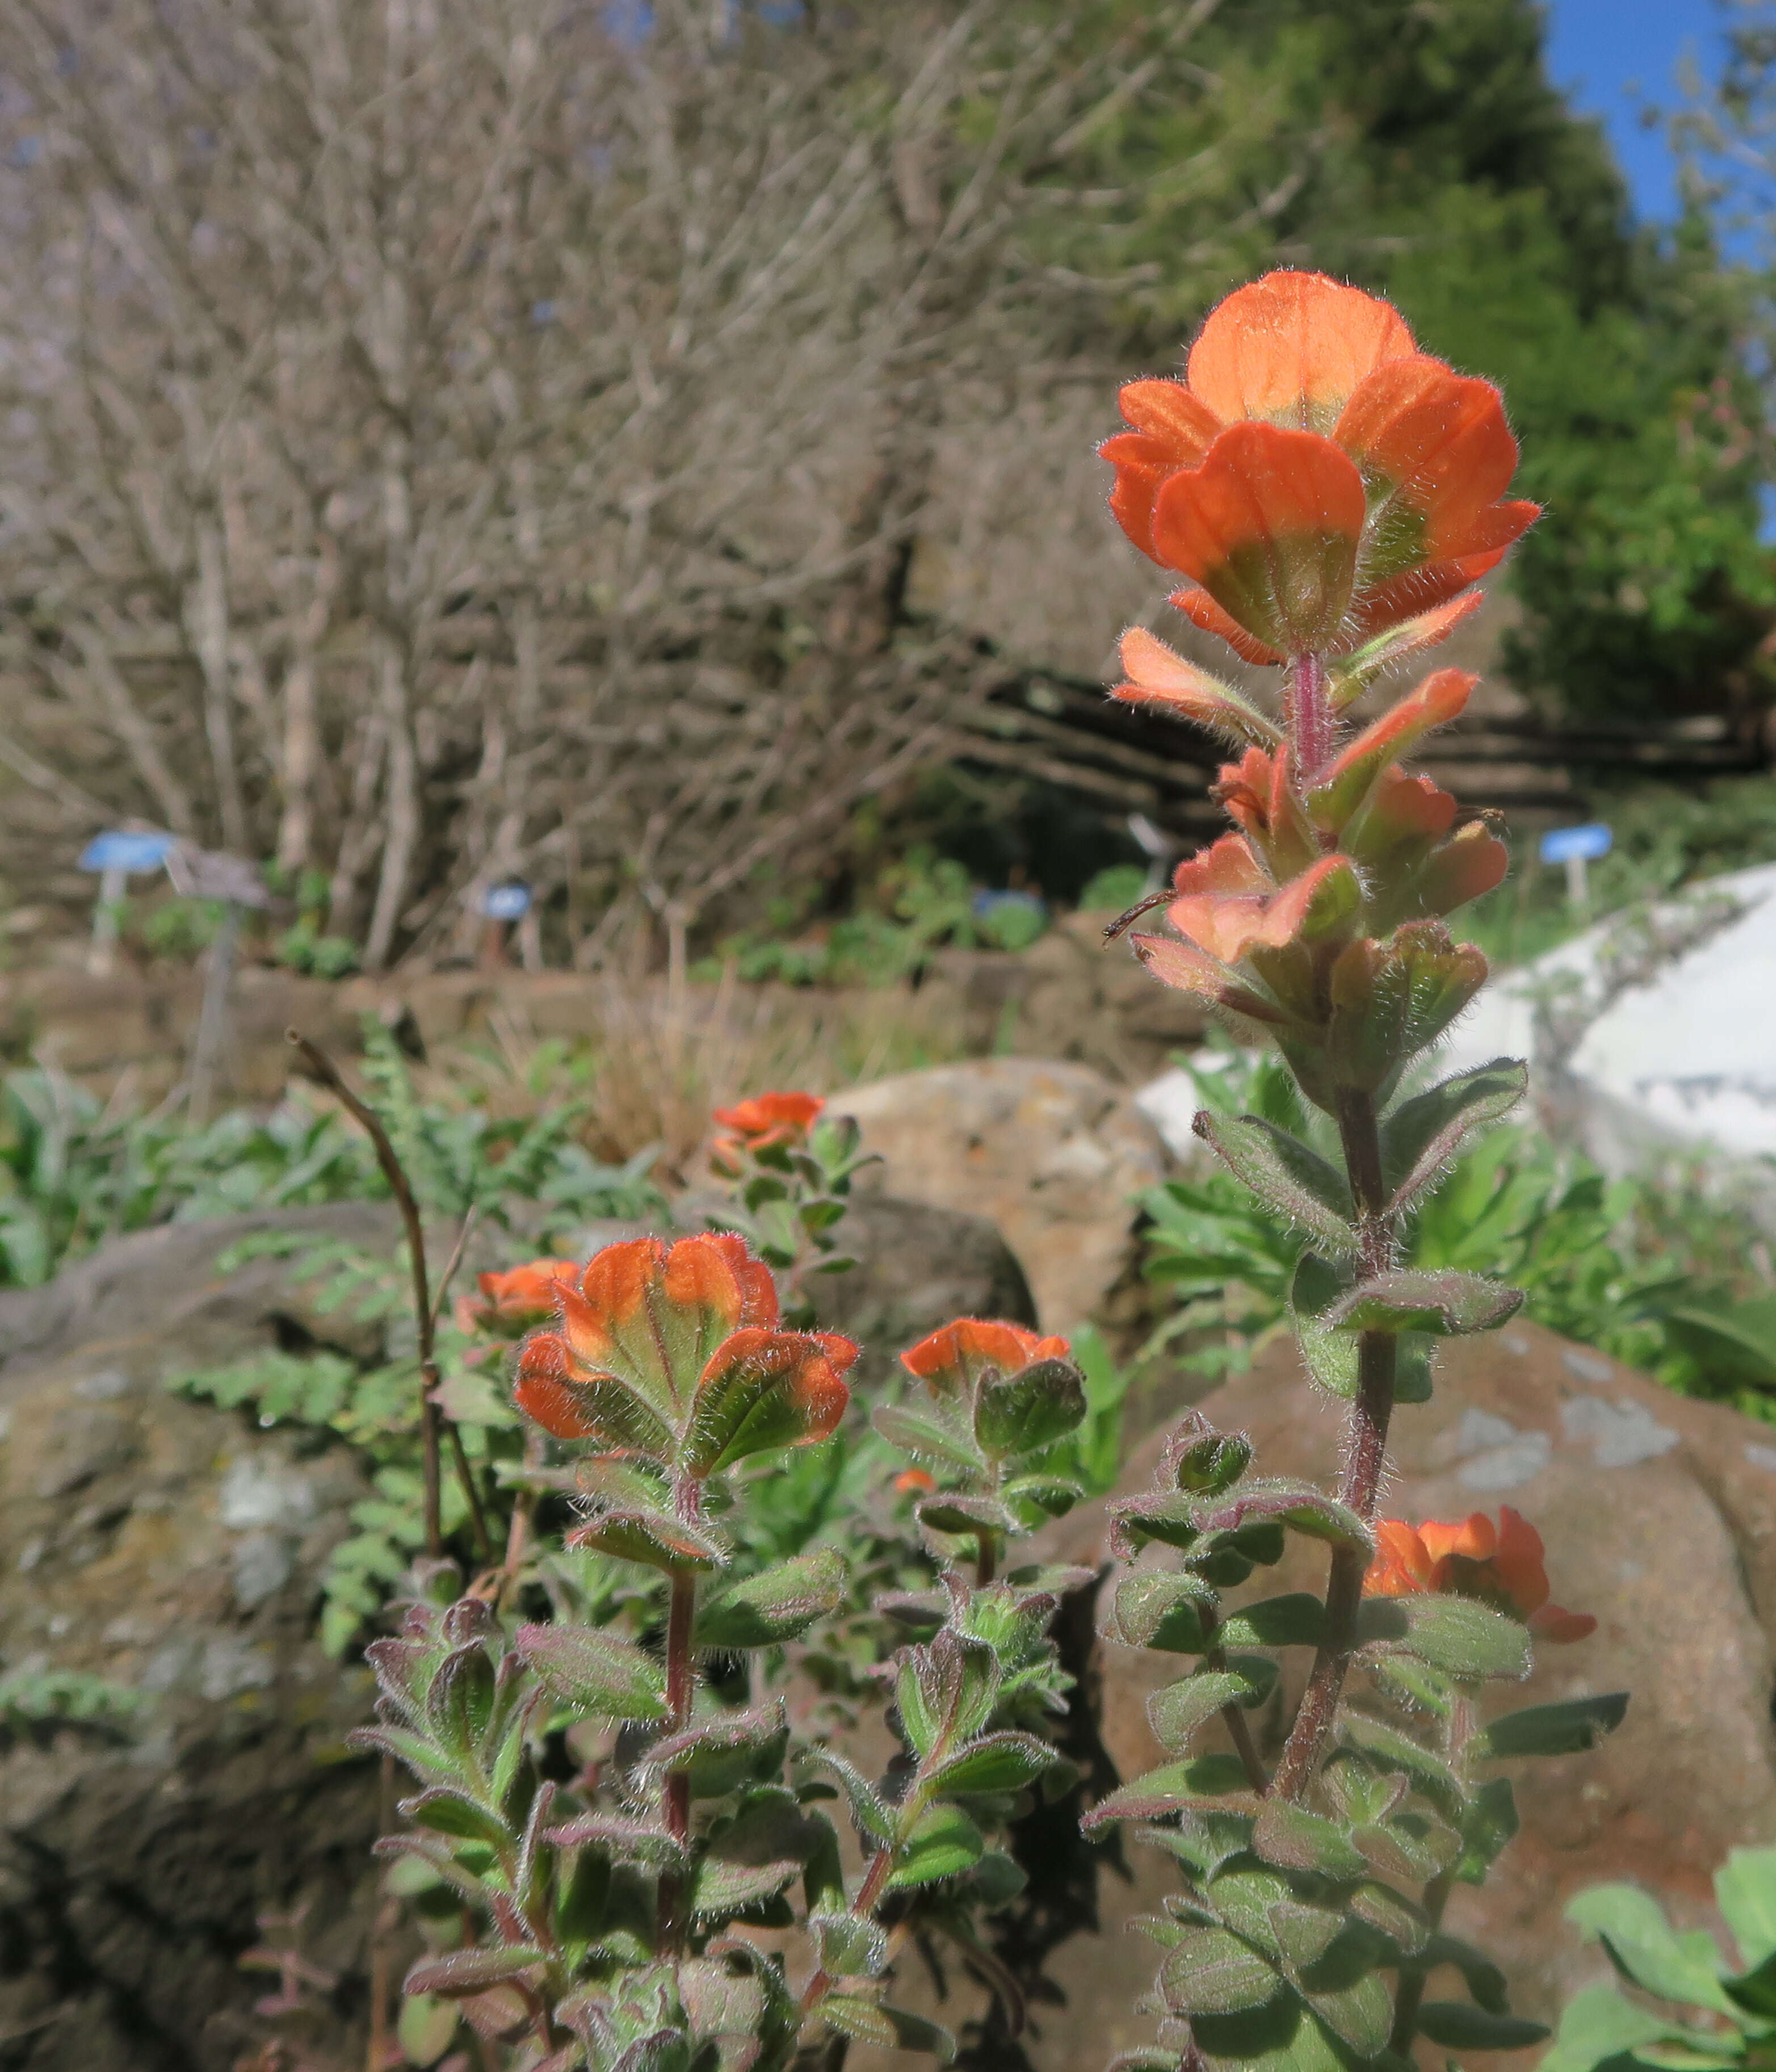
(1330, 493)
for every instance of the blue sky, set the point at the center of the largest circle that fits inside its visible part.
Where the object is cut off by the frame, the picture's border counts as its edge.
(1613, 55)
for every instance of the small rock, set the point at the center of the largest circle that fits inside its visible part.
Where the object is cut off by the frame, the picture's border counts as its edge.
(1052, 1153)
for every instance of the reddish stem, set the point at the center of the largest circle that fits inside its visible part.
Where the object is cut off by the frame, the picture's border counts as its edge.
(1309, 712)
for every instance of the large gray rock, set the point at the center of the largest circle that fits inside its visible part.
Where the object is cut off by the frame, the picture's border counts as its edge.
(1052, 1154)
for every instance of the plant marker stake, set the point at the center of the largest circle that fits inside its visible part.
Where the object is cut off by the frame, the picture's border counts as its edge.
(115, 856)
(1576, 848)
(500, 905)
(202, 873)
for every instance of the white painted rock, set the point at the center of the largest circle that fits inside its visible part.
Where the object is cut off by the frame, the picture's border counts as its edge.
(1655, 1031)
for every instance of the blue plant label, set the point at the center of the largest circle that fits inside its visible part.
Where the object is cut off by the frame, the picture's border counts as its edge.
(120, 850)
(1580, 844)
(506, 903)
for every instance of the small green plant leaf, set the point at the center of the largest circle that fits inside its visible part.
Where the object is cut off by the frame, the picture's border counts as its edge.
(1388, 1750)
(1489, 1823)
(1202, 1781)
(722, 1753)
(776, 1605)
(762, 1390)
(1029, 1410)
(1178, 1711)
(655, 1539)
(595, 1670)
(1422, 1135)
(465, 1972)
(1446, 1303)
(1166, 1515)
(1299, 1506)
(1212, 1971)
(1643, 1946)
(999, 1762)
(1199, 1461)
(849, 1946)
(1745, 1890)
(1462, 1638)
(1596, 2025)
(448, 1812)
(1567, 1728)
(925, 1437)
(1300, 1840)
(942, 1843)
(1285, 1175)
(753, 1852)
(1458, 2026)
(1296, 1619)
(887, 2027)
(1169, 1612)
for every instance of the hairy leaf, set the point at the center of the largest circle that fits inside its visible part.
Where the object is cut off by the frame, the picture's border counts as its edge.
(1446, 1303)
(1567, 1728)
(1457, 2026)
(1212, 1971)
(776, 1605)
(594, 1669)
(1422, 1136)
(1285, 1175)
(1029, 1410)
(1462, 1638)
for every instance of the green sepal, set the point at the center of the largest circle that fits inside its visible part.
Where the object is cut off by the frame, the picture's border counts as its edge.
(1029, 1410)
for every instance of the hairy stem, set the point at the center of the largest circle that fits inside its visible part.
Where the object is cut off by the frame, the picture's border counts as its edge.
(1365, 1455)
(681, 1692)
(1310, 714)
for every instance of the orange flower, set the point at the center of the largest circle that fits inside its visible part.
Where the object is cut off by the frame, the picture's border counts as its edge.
(510, 1303)
(1316, 477)
(676, 1354)
(765, 1122)
(914, 1481)
(1501, 1565)
(951, 1360)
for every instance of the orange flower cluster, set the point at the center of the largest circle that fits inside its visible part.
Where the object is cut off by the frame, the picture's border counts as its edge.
(767, 1122)
(1316, 477)
(676, 1354)
(515, 1301)
(1502, 1565)
(952, 1360)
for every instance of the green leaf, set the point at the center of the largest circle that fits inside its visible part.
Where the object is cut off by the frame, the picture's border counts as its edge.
(1422, 1135)
(849, 1946)
(1166, 1515)
(1281, 2035)
(1390, 1913)
(1463, 1639)
(1360, 2014)
(1029, 1410)
(1202, 1781)
(1567, 1728)
(1304, 1841)
(1199, 1461)
(871, 1815)
(887, 2028)
(721, 1754)
(1384, 1748)
(467, 1972)
(1641, 1944)
(1295, 1620)
(1597, 2025)
(997, 1762)
(426, 2027)
(753, 1853)
(1037, 1498)
(595, 1670)
(1458, 2026)
(1285, 1175)
(655, 1539)
(1298, 1505)
(952, 1513)
(1170, 1611)
(1408, 1848)
(1446, 1303)
(1177, 1713)
(1211, 1971)
(946, 1690)
(942, 1843)
(1489, 1823)
(1745, 1890)
(926, 1438)
(776, 1605)
(447, 1812)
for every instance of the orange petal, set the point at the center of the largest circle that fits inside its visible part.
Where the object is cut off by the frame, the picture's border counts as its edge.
(1518, 1563)
(1226, 865)
(1473, 862)
(1403, 1563)
(764, 1113)
(1159, 675)
(1472, 1538)
(1433, 438)
(1171, 413)
(1202, 611)
(612, 1294)
(1142, 465)
(1293, 346)
(950, 1358)
(542, 1393)
(1269, 526)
